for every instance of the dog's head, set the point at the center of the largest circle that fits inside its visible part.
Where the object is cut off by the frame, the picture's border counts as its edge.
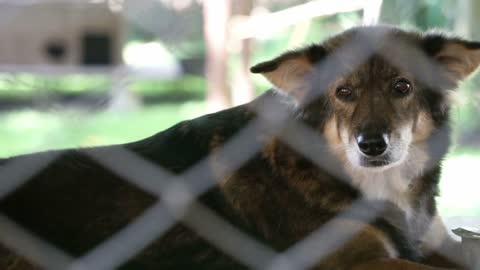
(379, 90)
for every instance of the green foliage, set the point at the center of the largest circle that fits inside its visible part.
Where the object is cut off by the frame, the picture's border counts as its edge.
(422, 14)
(29, 85)
(26, 84)
(194, 85)
(465, 111)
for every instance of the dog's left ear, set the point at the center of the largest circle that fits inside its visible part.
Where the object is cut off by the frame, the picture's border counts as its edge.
(459, 57)
(289, 71)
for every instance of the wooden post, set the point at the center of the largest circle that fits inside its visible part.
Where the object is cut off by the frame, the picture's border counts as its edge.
(242, 88)
(463, 21)
(474, 19)
(216, 14)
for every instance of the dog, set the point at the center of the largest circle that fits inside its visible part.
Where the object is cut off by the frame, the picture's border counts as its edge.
(349, 140)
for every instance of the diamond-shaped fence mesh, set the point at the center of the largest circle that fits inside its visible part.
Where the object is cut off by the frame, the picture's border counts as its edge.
(176, 194)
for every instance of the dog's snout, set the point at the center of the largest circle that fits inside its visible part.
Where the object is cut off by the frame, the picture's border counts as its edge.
(372, 144)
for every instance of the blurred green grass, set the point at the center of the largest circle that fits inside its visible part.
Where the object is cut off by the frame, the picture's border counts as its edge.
(27, 131)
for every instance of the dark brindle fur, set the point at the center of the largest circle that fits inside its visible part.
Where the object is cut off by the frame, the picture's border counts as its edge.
(279, 197)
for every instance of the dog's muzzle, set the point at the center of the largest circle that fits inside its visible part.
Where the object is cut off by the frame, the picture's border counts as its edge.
(372, 145)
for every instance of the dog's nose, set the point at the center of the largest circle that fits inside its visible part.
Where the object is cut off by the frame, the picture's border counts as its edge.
(372, 144)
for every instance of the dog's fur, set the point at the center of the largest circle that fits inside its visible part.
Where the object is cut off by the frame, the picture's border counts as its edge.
(279, 196)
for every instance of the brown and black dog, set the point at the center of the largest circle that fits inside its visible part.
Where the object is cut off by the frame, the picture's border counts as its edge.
(377, 99)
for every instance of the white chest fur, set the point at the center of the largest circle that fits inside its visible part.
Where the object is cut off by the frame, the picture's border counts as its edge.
(393, 183)
(388, 185)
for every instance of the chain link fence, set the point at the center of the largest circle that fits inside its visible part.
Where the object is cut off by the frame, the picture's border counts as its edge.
(177, 195)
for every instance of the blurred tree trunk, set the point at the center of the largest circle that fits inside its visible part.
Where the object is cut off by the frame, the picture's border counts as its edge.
(216, 15)
(242, 88)
(475, 20)
(463, 20)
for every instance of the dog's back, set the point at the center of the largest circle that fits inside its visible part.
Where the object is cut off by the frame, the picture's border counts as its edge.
(75, 199)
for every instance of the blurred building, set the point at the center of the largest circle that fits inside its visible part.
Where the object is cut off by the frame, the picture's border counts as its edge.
(60, 33)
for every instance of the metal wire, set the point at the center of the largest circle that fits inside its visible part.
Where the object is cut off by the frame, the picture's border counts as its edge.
(180, 192)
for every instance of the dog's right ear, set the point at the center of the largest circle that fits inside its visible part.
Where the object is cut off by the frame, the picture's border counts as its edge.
(289, 71)
(459, 57)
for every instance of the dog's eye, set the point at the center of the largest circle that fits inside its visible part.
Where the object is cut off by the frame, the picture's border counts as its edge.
(344, 92)
(402, 87)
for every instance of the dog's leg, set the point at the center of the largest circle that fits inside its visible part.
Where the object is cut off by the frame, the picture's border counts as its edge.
(370, 249)
(11, 261)
(439, 248)
(394, 264)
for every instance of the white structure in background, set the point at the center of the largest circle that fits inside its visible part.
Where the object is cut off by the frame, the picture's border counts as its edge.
(151, 57)
(60, 33)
